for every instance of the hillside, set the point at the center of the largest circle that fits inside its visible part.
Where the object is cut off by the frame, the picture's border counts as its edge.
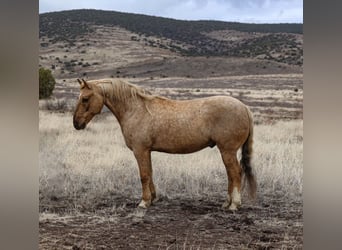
(67, 37)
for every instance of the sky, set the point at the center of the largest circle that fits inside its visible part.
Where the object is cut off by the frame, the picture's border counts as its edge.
(246, 11)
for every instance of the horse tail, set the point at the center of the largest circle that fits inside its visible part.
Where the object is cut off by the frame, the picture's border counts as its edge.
(245, 162)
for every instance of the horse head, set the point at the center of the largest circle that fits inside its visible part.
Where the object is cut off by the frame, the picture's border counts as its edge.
(90, 103)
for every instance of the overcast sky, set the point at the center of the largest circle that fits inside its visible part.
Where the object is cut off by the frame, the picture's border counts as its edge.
(248, 11)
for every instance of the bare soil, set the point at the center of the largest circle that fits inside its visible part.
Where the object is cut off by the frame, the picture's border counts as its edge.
(271, 222)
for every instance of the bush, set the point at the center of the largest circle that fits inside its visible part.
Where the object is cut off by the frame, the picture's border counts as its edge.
(46, 83)
(55, 105)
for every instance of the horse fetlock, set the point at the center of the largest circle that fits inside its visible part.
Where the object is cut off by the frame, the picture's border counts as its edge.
(145, 204)
(153, 196)
(236, 197)
(235, 201)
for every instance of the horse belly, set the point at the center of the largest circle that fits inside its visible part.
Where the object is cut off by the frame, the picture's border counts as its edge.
(181, 144)
(180, 149)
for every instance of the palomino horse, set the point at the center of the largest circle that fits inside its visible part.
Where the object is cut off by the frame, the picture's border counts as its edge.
(154, 123)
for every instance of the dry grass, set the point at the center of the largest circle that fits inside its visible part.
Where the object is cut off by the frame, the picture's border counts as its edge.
(278, 157)
(270, 97)
(81, 166)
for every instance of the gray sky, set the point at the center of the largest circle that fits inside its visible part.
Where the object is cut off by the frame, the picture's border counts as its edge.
(249, 11)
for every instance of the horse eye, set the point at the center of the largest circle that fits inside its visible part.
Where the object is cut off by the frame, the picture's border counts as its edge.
(85, 99)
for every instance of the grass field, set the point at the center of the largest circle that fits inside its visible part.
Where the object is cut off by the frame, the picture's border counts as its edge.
(89, 188)
(86, 165)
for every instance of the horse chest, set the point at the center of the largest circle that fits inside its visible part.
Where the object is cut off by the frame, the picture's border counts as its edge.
(136, 136)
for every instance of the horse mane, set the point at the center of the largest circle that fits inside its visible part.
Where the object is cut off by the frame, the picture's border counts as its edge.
(121, 90)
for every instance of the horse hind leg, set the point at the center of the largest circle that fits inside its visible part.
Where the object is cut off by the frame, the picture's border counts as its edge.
(234, 180)
(152, 188)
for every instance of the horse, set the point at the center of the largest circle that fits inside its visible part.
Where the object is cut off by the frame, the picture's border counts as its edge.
(155, 123)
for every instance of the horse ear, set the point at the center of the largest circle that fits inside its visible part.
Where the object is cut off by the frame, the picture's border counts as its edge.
(86, 84)
(79, 81)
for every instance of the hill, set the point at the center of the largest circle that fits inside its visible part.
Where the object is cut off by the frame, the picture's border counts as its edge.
(84, 40)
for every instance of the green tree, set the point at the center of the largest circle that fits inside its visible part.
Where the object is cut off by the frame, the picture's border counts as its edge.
(46, 83)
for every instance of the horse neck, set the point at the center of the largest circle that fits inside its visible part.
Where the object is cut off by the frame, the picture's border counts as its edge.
(123, 108)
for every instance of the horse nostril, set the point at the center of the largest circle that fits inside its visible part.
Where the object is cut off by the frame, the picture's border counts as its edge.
(76, 126)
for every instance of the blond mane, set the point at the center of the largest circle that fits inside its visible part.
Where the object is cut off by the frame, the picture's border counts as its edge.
(118, 89)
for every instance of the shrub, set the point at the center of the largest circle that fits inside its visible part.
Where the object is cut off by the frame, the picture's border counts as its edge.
(46, 83)
(55, 105)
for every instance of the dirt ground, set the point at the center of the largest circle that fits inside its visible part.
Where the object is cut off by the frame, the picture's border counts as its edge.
(271, 222)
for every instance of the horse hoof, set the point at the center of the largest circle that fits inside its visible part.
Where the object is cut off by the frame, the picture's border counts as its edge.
(233, 207)
(144, 204)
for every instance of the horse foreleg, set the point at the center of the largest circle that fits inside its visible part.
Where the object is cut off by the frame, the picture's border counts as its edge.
(234, 180)
(145, 169)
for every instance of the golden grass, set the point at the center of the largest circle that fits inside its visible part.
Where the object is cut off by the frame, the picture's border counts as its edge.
(89, 164)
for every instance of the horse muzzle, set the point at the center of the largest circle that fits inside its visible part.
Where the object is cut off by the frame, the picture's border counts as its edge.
(78, 125)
